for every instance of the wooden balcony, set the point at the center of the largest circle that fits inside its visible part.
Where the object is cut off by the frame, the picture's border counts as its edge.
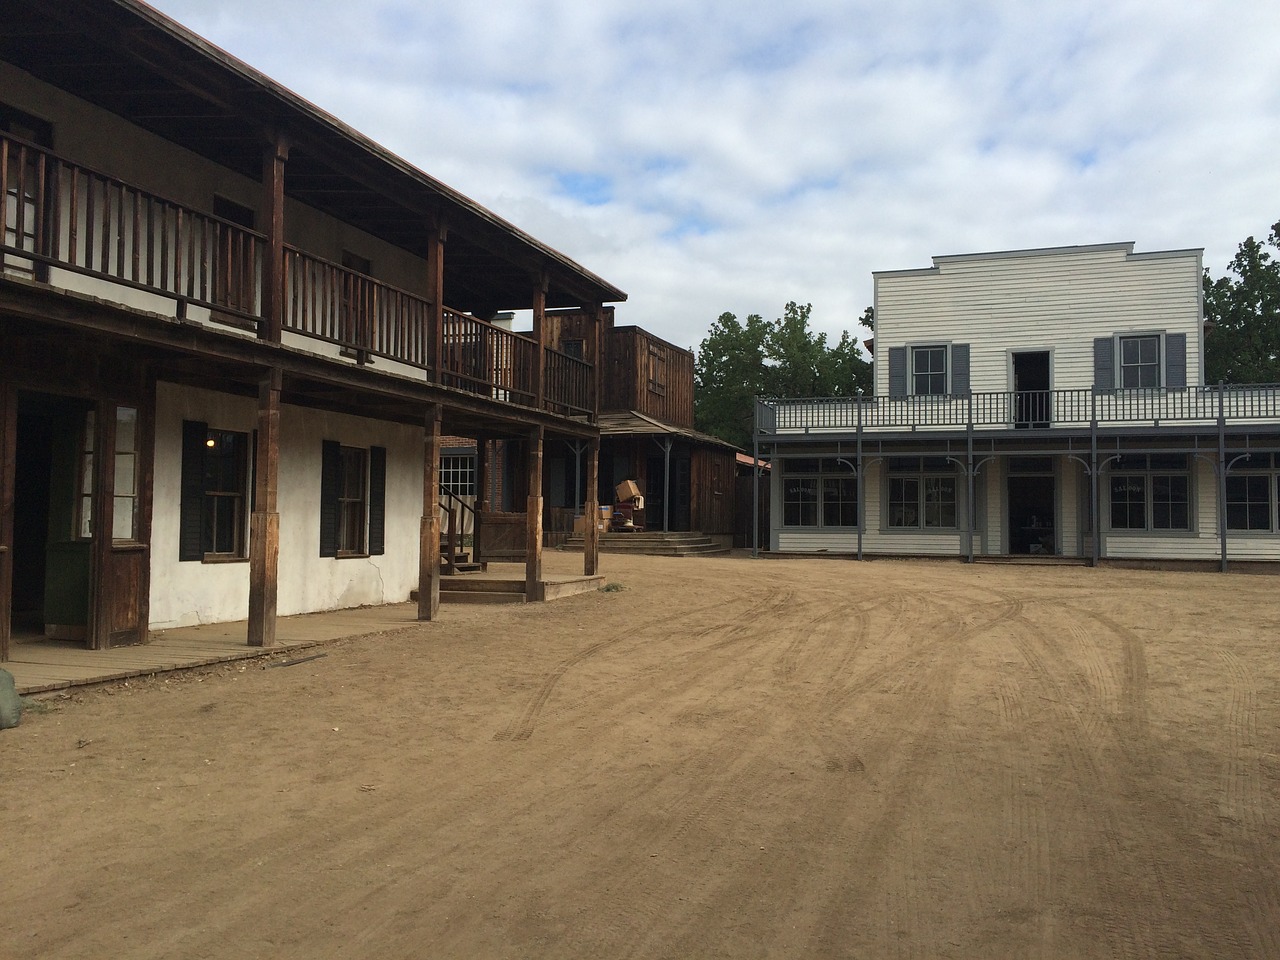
(63, 221)
(1010, 410)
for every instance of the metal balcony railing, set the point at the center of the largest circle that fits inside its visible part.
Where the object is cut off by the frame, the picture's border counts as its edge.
(1012, 410)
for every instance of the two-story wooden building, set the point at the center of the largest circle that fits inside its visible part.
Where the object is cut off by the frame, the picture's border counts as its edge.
(233, 331)
(647, 433)
(1033, 402)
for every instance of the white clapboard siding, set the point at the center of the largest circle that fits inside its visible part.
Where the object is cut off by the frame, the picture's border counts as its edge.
(1054, 299)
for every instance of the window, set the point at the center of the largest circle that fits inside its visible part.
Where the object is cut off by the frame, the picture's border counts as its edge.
(352, 500)
(657, 372)
(1253, 489)
(215, 493)
(1140, 362)
(819, 492)
(929, 370)
(84, 515)
(352, 505)
(458, 474)
(1151, 492)
(572, 348)
(921, 493)
(124, 508)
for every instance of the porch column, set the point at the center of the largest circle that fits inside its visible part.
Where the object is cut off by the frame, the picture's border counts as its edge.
(437, 234)
(272, 308)
(8, 472)
(429, 538)
(591, 511)
(104, 486)
(540, 335)
(264, 525)
(533, 542)
(483, 499)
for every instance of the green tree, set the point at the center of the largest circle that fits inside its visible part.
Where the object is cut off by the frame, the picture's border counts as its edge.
(1243, 345)
(738, 362)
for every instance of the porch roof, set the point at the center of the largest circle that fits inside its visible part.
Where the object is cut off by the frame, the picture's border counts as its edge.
(128, 58)
(621, 423)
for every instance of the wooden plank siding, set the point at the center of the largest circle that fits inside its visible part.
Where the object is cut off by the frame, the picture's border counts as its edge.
(1056, 300)
(711, 476)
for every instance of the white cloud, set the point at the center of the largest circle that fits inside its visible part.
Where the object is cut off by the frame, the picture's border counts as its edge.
(738, 155)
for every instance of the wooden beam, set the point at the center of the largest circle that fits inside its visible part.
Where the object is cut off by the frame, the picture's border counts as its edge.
(429, 537)
(540, 335)
(264, 524)
(273, 162)
(533, 543)
(437, 234)
(591, 532)
(8, 471)
(104, 482)
(484, 466)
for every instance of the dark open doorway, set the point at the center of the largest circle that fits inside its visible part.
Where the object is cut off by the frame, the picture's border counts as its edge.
(52, 517)
(1031, 378)
(1031, 515)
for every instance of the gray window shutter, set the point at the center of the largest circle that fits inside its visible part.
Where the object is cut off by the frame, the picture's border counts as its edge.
(377, 500)
(1175, 360)
(960, 369)
(1104, 363)
(330, 491)
(897, 371)
(191, 544)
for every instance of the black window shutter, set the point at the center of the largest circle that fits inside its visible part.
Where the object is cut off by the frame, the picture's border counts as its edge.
(1104, 363)
(960, 369)
(1175, 360)
(330, 487)
(191, 495)
(897, 371)
(377, 500)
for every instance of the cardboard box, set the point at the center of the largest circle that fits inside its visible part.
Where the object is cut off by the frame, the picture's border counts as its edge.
(626, 490)
(579, 525)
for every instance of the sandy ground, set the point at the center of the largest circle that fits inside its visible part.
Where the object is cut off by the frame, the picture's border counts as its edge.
(727, 758)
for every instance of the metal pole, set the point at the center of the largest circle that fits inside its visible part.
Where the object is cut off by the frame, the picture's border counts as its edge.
(1095, 548)
(755, 486)
(666, 485)
(858, 474)
(1222, 481)
(968, 470)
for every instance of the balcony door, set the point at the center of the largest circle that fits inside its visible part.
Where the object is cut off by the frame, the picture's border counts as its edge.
(1032, 407)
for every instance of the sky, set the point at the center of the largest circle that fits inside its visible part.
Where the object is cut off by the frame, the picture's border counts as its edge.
(711, 157)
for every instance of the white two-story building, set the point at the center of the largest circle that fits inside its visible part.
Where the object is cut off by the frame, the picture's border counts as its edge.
(1033, 402)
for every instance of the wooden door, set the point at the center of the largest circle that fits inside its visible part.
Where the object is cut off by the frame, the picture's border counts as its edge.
(121, 531)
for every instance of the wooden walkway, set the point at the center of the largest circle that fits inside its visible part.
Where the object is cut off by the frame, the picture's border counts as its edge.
(40, 666)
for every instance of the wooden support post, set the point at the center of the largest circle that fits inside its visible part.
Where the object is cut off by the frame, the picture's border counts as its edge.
(104, 485)
(273, 161)
(591, 510)
(264, 523)
(540, 335)
(8, 475)
(483, 504)
(429, 538)
(533, 546)
(437, 233)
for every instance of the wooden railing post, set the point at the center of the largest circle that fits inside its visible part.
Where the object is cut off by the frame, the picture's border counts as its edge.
(264, 524)
(533, 543)
(273, 163)
(540, 337)
(437, 234)
(591, 511)
(429, 538)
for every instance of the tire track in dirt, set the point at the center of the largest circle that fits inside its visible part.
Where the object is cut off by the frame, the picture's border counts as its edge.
(521, 728)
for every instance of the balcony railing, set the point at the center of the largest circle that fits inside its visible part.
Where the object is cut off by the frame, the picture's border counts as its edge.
(59, 216)
(1036, 409)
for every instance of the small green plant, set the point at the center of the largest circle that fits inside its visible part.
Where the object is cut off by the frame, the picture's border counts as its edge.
(612, 587)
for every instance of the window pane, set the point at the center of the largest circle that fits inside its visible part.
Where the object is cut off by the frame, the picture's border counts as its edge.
(939, 502)
(904, 502)
(800, 503)
(122, 518)
(1128, 502)
(839, 502)
(1249, 502)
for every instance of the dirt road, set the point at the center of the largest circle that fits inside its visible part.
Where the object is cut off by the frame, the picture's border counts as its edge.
(727, 758)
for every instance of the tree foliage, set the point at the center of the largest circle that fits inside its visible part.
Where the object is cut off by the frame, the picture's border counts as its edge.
(1243, 346)
(738, 362)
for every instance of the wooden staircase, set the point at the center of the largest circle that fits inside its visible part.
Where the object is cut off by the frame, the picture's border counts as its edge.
(655, 543)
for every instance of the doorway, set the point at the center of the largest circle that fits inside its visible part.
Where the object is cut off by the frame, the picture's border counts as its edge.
(53, 502)
(1032, 508)
(1031, 385)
